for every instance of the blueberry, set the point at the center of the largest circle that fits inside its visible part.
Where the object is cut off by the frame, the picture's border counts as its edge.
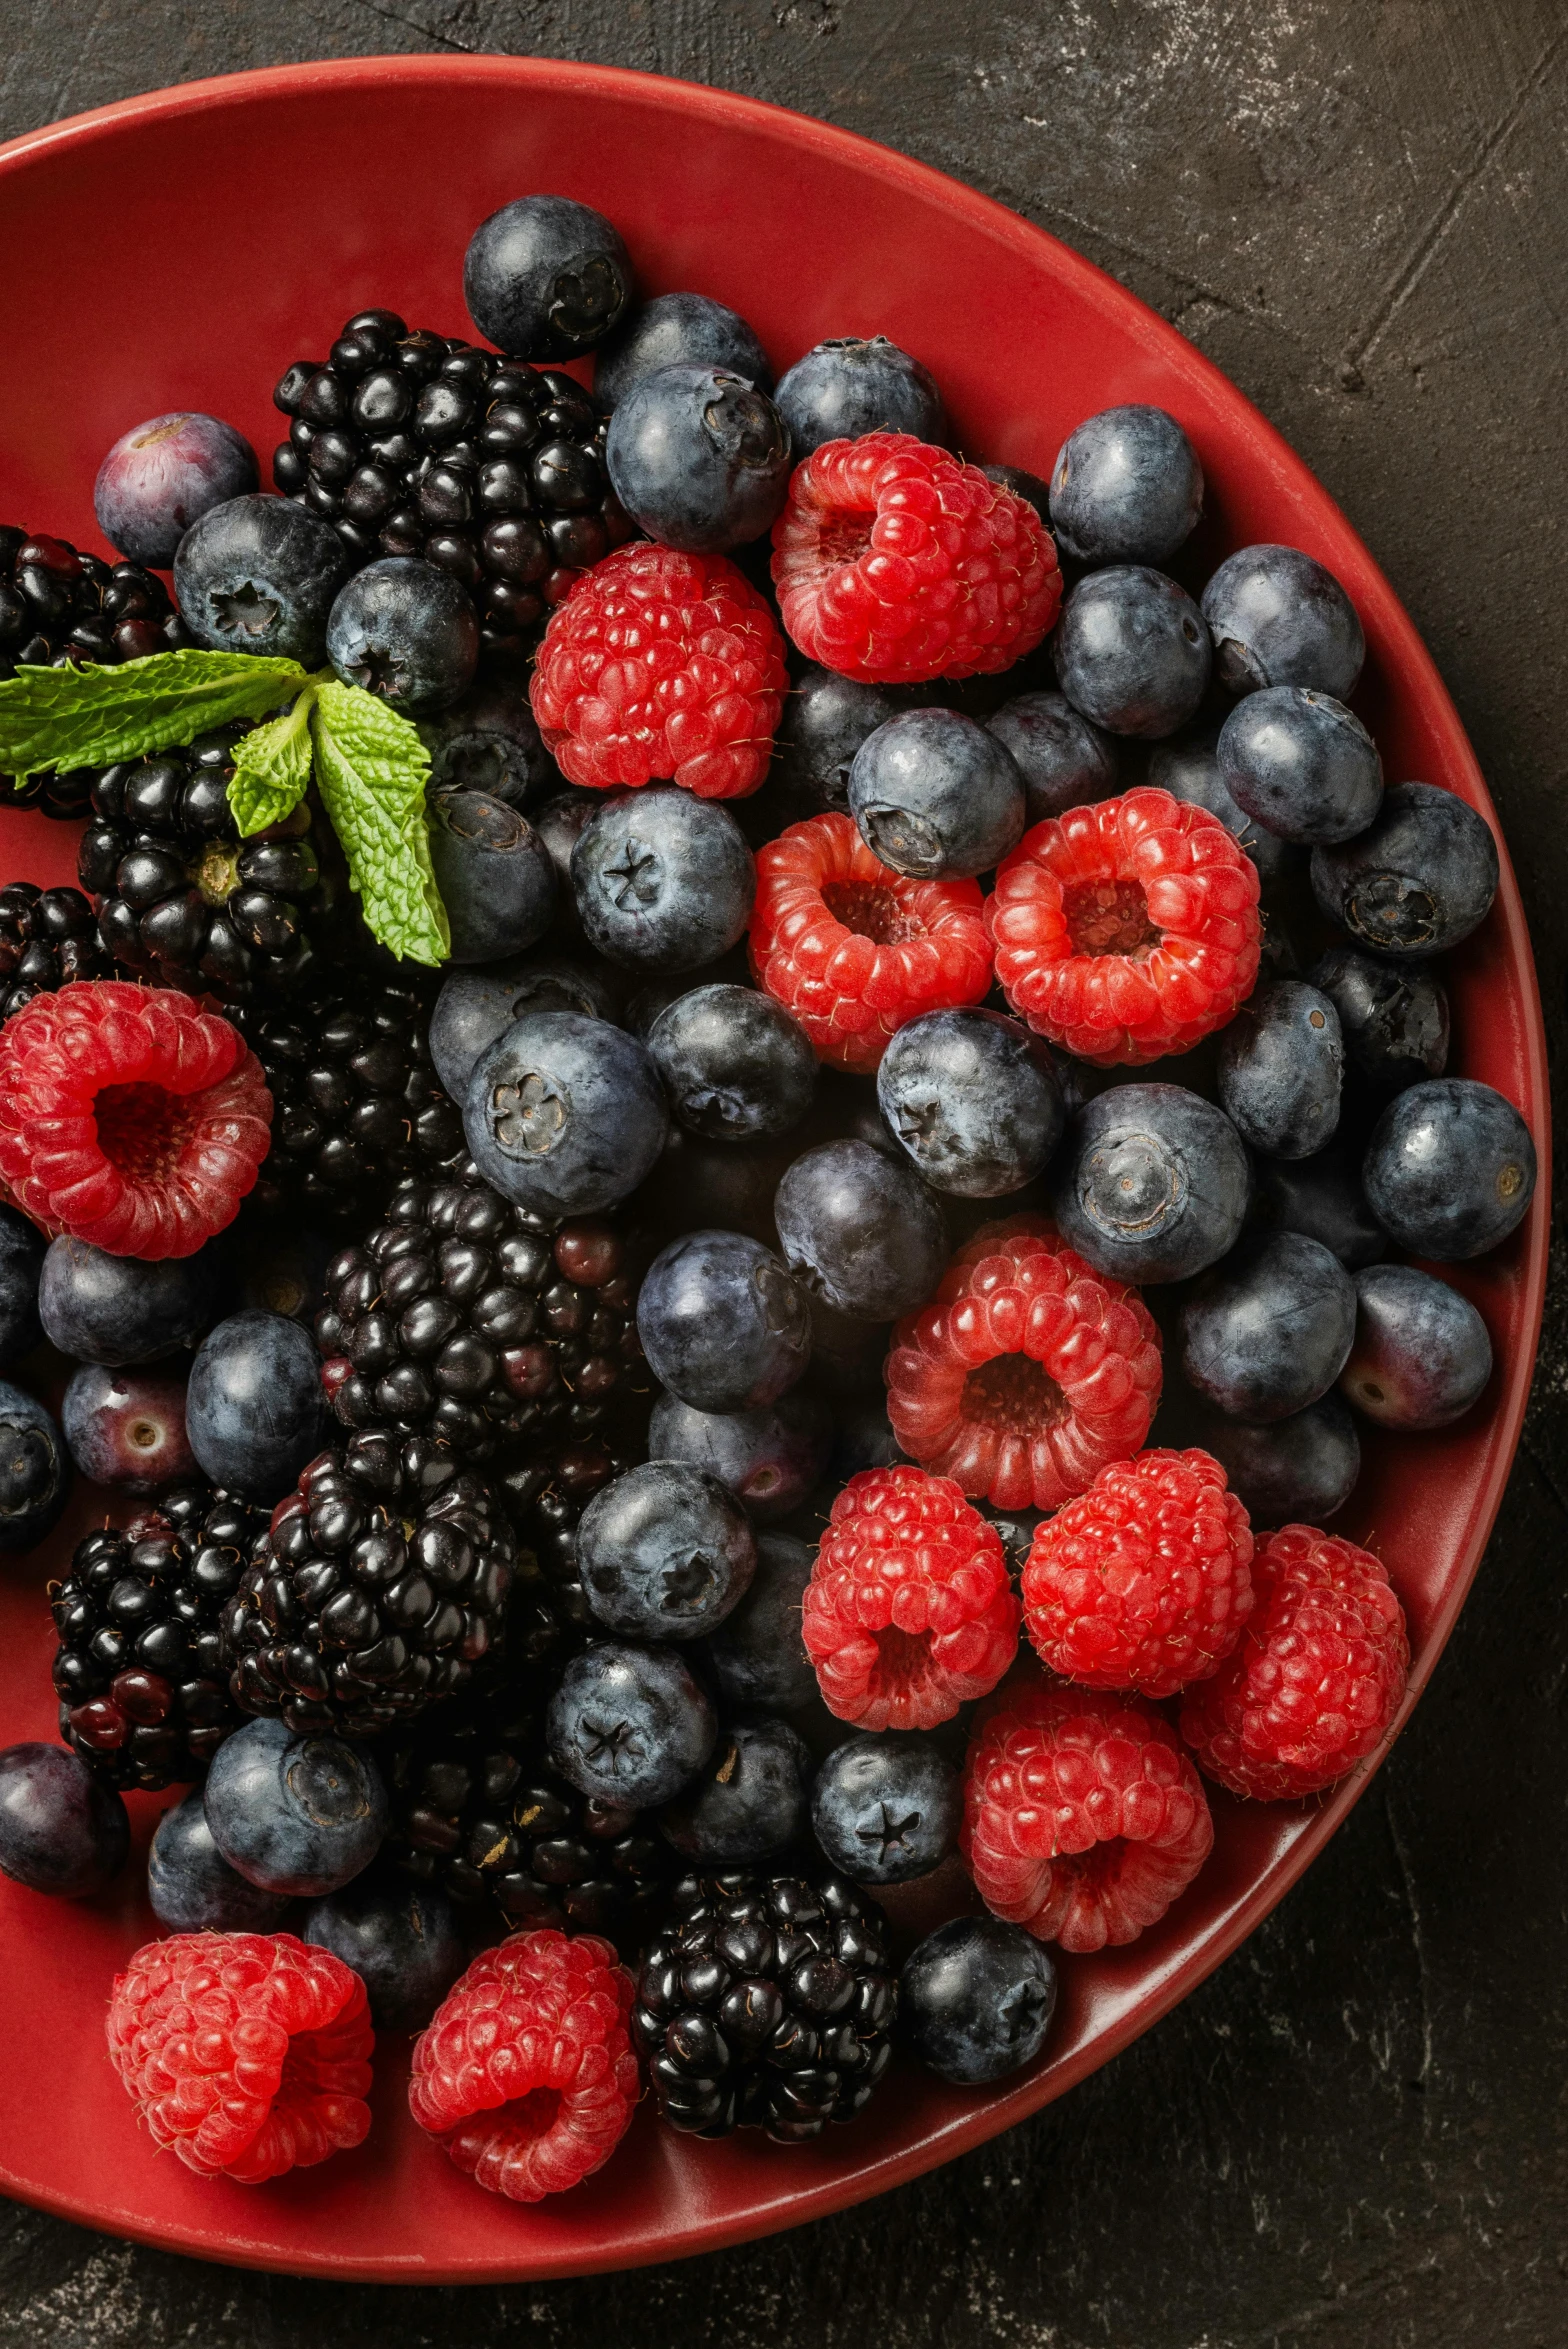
(1297, 1471)
(975, 2000)
(406, 631)
(564, 1114)
(826, 719)
(663, 880)
(860, 1230)
(192, 1888)
(1126, 487)
(863, 1438)
(933, 793)
(489, 741)
(722, 1324)
(1282, 1063)
(1301, 764)
(887, 1809)
(1190, 770)
(21, 1262)
(1322, 1197)
(1268, 1332)
(253, 1405)
(735, 1065)
(1065, 762)
(1420, 879)
(677, 330)
(299, 1815)
(1277, 617)
(161, 475)
(664, 1551)
(1394, 1017)
(1422, 1354)
(118, 1310)
(758, 1656)
(749, 1802)
(495, 875)
(559, 823)
(847, 387)
(474, 1007)
(126, 1428)
(285, 1271)
(1151, 1183)
(546, 278)
(699, 458)
(35, 1470)
(629, 1724)
(1132, 653)
(260, 575)
(62, 1830)
(772, 1459)
(1025, 485)
(974, 1100)
(1450, 1169)
(399, 1937)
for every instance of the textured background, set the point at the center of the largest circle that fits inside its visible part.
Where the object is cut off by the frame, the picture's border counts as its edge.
(1355, 2134)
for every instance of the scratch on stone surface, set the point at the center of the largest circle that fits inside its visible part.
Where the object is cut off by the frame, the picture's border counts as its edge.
(1407, 1878)
(412, 25)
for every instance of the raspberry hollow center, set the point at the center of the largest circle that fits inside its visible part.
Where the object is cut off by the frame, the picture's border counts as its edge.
(1014, 1395)
(872, 911)
(533, 2115)
(1109, 917)
(902, 1657)
(143, 1130)
(843, 538)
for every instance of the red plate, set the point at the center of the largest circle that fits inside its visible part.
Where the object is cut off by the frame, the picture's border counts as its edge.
(179, 251)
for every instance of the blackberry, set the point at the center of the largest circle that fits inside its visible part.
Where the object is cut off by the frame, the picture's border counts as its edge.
(181, 899)
(48, 937)
(356, 1104)
(477, 1810)
(766, 2001)
(547, 1493)
(464, 1317)
(381, 1582)
(412, 443)
(140, 1674)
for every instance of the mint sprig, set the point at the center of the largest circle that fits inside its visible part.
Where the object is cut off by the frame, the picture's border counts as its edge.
(90, 716)
(272, 766)
(371, 769)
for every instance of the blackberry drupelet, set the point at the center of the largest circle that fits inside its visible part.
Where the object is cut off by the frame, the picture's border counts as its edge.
(766, 2001)
(462, 1316)
(379, 1585)
(140, 1674)
(181, 899)
(412, 443)
(48, 937)
(547, 1494)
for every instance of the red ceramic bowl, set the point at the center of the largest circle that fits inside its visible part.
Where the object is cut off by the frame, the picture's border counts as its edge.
(179, 251)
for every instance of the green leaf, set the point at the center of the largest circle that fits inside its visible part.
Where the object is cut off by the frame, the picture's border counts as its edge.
(272, 768)
(370, 770)
(90, 716)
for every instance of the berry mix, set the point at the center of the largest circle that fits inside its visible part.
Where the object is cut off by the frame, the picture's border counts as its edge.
(663, 1360)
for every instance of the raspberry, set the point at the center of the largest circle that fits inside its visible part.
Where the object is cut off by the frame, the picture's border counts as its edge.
(895, 562)
(129, 1117)
(1127, 929)
(1145, 1580)
(661, 665)
(909, 1612)
(856, 950)
(526, 2073)
(1083, 1818)
(1027, 1373)
(1316, 1678)
(247, 2054)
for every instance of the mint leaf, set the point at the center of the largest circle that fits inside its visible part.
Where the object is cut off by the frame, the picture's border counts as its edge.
(272, 768)
(370, 770)
(90, 716)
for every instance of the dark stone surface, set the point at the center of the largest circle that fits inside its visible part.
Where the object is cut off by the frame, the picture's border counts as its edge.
(1356, 2133)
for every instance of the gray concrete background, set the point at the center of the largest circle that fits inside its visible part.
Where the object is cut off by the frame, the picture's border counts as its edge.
(1355, 2134)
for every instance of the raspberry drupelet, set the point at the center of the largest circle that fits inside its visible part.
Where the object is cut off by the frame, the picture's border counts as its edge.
(525, 2073)
(247, 2054)
(1314, 1683)
(129, 1117)
(661, 667)
(854, 950)
(909, 1612)
(1083, 1818)
(1143, 1582)
(1127, 929)
(895, 562)
(1027, 1373)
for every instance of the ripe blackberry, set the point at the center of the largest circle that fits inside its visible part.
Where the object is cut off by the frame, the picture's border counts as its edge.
(461, 1316)
(143, 1688)
(411, 443)
(766, 2001)
(379, 1585)
(48, 937)
(356, 1104)
(181, 899)
(477, 1810)
(547, 1493)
